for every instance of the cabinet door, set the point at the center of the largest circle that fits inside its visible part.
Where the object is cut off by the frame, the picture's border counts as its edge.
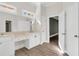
(7, 48)
(35, 40)
(72, 30)
(32, 41)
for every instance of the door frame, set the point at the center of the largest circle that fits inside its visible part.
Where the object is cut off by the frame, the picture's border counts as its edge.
(65, 40)
(48, 27)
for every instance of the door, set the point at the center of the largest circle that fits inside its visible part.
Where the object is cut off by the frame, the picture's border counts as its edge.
(72, 30)
(62, 30)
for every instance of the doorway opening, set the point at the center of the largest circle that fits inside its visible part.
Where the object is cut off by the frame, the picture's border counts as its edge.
(8, 26)
(53, 26)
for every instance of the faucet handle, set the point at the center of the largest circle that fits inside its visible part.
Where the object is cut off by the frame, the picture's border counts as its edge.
(2, 34)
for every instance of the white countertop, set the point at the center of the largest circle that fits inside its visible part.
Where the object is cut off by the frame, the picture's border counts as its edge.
(18, 36)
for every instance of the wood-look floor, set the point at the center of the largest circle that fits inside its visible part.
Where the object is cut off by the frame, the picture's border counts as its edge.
(46, 49)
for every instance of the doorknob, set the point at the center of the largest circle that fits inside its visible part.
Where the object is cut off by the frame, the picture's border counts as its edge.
(63, 33)
(76, 36)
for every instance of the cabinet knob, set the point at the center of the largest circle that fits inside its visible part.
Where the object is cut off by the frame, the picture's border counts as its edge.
(0, 43)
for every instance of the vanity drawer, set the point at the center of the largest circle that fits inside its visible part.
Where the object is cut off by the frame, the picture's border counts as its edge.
(7, 47)
(32, 41)
(4, 39)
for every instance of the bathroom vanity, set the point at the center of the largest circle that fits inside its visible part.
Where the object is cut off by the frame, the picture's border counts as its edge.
(32, 40)
(12, 41)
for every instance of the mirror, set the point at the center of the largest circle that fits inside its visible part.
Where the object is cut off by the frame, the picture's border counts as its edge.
(8, 26)
(13, 23)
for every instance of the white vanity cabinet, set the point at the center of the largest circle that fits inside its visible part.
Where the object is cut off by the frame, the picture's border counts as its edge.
(32, 40)
(6, 46)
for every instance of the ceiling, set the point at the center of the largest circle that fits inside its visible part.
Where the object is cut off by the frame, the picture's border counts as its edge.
(23, 5)
(50, 3)
(31, 6)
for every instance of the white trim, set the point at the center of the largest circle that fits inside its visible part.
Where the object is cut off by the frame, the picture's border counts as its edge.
(8, 8)
(54, 35)
(4, 5)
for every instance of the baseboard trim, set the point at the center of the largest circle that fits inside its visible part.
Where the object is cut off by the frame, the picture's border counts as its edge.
(54, 35)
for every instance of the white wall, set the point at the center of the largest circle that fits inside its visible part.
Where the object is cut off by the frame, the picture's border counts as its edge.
(67, 4)
(21, 24)
(53, 9)
(43, 24)
(56, 8)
